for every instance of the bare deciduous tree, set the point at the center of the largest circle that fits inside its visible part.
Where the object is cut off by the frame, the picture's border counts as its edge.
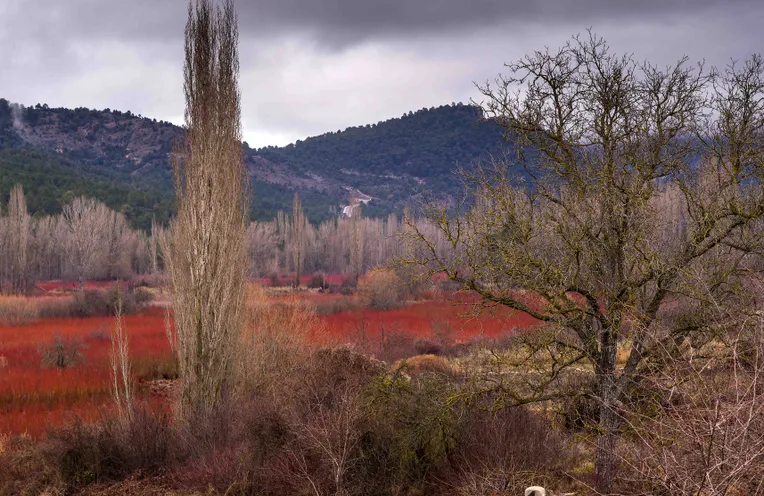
(297, 235)
(206, 247)
(122, 385)
(17, 247)
(581, 244)
(99, 242)
(357, 242)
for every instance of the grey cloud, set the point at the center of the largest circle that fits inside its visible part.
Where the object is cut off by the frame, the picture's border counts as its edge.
(342, 22)
(359, 19)
(312, 66)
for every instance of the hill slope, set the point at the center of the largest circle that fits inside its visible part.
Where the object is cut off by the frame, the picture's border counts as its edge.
(123, 159)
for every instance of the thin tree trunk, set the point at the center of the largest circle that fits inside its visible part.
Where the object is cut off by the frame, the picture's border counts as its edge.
(605, 456)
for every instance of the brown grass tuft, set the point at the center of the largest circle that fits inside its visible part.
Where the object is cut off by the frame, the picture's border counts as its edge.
(423, 364)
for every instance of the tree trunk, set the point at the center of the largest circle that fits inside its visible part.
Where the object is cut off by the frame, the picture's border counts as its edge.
(605, 456)
(297, 268)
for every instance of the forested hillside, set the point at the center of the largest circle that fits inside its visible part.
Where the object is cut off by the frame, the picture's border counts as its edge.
(419, 148)
(122, 159)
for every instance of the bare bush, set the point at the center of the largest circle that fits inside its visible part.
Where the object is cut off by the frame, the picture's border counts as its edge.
(383, 288)
(704, 434)
(505, 451)
(424, 364)
(273, 343)
(342, 303)
(18, 310)
(62, 352)
(101, 303)
(109, 450)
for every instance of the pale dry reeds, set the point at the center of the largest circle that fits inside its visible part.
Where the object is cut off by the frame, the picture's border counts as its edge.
(275, 340)
(22, 310)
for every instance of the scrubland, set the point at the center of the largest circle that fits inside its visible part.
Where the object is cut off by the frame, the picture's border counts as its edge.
(336, 397)
(333, 397)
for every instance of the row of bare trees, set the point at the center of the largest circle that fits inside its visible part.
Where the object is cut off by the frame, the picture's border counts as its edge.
(344, 245)
(88, 240)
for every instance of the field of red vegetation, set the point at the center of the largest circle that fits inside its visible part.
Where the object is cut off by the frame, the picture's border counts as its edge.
(34, 397)
(427, 319)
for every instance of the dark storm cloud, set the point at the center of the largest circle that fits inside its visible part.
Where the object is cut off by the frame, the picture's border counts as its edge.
(342, 22)
(348, 20)
(310, 66)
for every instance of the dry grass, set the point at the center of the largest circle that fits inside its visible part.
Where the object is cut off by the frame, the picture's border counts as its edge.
(275, 339)
(422, 364)
(20, 310)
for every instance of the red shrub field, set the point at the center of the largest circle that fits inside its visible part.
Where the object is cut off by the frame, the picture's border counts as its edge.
(426, 319)
(34, 397)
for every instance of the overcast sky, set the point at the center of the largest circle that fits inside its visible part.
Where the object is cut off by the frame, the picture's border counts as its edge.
(312, 66)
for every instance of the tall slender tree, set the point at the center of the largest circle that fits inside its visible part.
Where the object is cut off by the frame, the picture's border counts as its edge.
(357, 241)
(19, 227)
(206, 246)
(297, 231)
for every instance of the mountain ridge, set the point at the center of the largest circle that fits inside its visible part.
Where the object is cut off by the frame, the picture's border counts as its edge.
(391, 161)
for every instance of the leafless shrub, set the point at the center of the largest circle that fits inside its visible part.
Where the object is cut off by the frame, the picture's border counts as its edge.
(110, 450)
(122, 381)
(424, 364)
(100, 333)
(274, 341)
(327, 438)
(62, 352)
(18, 310)
(394, 344)
(340, 304)
(101, 303)
(512, 447)
(705, 434)
(383, 288)
(428, 347)
(317, 281)
(55, 307)
(306, 439)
